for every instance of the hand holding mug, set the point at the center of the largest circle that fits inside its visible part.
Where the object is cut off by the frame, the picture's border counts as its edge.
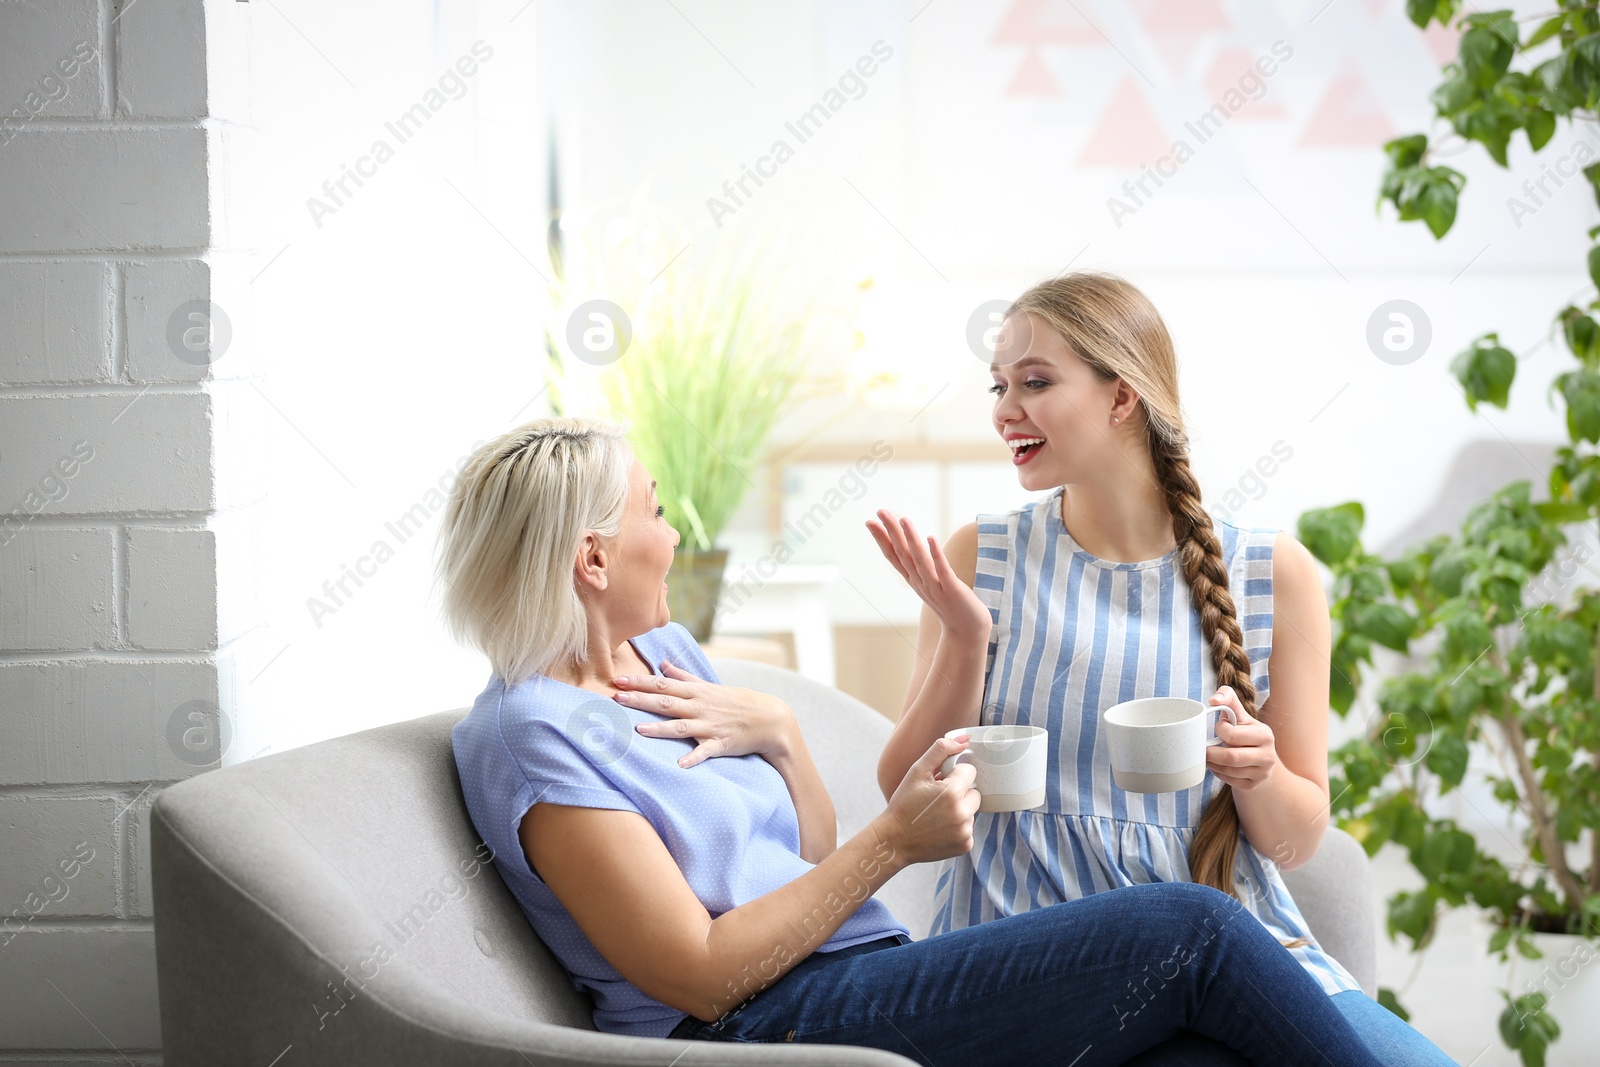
(1163, 744)
(1248, 753)
(930, 817)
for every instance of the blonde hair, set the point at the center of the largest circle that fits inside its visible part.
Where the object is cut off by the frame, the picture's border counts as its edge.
(1114, 328)
(510, 538)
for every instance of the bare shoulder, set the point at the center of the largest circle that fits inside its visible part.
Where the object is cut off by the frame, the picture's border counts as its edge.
(1296, 577)
(962, 551)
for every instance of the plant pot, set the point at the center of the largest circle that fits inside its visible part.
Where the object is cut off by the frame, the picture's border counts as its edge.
(694, 584)
(1569, 977)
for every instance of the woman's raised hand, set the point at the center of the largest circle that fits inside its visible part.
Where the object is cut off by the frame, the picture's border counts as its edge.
(929, 817)
(922, 563)
(726, 720)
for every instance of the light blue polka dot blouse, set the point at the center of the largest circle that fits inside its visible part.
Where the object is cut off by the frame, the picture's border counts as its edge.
(729, 822)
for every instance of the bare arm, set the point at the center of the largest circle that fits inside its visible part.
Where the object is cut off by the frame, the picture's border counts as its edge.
(819, 823)
(946, 690)
(615, 877)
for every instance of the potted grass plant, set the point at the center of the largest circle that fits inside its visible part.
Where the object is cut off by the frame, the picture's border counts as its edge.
(701, 356)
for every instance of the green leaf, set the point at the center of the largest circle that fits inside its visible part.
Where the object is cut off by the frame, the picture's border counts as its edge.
(1485, 371)
(1582, 336)
(1547, 29)
(1559, 514)
(1581, 390)
(1541, 126)
(1450, 569)
(1594, 265)
(1485, 55)
(1387, 624)
(1454, 93)
(1421, 11)
(1527, 1027)
(1466, 635)
(1406, 151)
(1366, 583)
(1341, 691)
(1501, 938)
(1411, 914)
(1503, 22)
(1445, 852)
(1332, 534)
(1592, 172)
(1387, 998)
(1448, 759)
(1438, 205)
(1489, 121)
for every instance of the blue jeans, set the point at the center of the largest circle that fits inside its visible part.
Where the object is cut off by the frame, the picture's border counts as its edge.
(1166, 971)
(1394, 1041)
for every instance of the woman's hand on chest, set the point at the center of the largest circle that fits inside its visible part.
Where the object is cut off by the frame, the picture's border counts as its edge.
(724, 719)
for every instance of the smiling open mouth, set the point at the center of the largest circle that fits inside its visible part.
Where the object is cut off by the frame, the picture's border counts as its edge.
(1024, 449)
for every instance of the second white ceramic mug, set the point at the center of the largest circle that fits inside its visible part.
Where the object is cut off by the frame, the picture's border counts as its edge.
(1009, 761)
(1158, 744)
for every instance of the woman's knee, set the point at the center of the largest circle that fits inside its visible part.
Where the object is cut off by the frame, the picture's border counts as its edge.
(1189, 903)
(1188, 894)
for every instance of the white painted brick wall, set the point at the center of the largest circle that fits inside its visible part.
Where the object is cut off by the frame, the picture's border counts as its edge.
(52, 61)
(129, 620)
(74, 721)
(57, 585)
(57, 319)
(161, 59)
(147, 451)
(81, 879)
(108, 981)
(104, 190)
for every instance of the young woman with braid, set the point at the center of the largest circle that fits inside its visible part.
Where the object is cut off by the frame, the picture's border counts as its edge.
(1117, 585)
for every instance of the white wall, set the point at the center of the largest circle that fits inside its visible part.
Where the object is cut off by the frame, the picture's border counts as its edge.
(946, 183)
(983, 156)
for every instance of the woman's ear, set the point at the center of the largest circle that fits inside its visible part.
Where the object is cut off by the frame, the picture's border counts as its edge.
(1124, 401)
(592, 565)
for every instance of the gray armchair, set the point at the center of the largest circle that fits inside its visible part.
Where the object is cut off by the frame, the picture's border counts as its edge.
(331, 905)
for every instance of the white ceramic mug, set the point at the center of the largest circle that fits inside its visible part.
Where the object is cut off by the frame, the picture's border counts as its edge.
(1009, 762)
(1158, 744)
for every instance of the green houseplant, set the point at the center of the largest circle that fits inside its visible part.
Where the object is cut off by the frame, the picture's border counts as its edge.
(700, 357)
(1510, 669)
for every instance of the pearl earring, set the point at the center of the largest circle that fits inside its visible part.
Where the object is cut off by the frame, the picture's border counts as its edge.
(1114, 419)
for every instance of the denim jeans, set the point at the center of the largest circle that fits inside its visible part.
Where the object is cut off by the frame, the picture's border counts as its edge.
(1394, 1041)
(1161, 971)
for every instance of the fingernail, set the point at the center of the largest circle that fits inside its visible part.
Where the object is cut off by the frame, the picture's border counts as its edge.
(619, 681)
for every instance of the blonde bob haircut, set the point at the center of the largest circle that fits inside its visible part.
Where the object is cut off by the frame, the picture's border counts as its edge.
(510, 538)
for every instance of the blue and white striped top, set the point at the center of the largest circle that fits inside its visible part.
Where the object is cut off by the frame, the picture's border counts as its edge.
(1072, 636)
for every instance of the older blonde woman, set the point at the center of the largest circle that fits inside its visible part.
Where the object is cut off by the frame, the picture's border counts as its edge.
(671, 842)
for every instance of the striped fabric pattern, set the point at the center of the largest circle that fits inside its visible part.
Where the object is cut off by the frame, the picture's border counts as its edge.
(1072, 636)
